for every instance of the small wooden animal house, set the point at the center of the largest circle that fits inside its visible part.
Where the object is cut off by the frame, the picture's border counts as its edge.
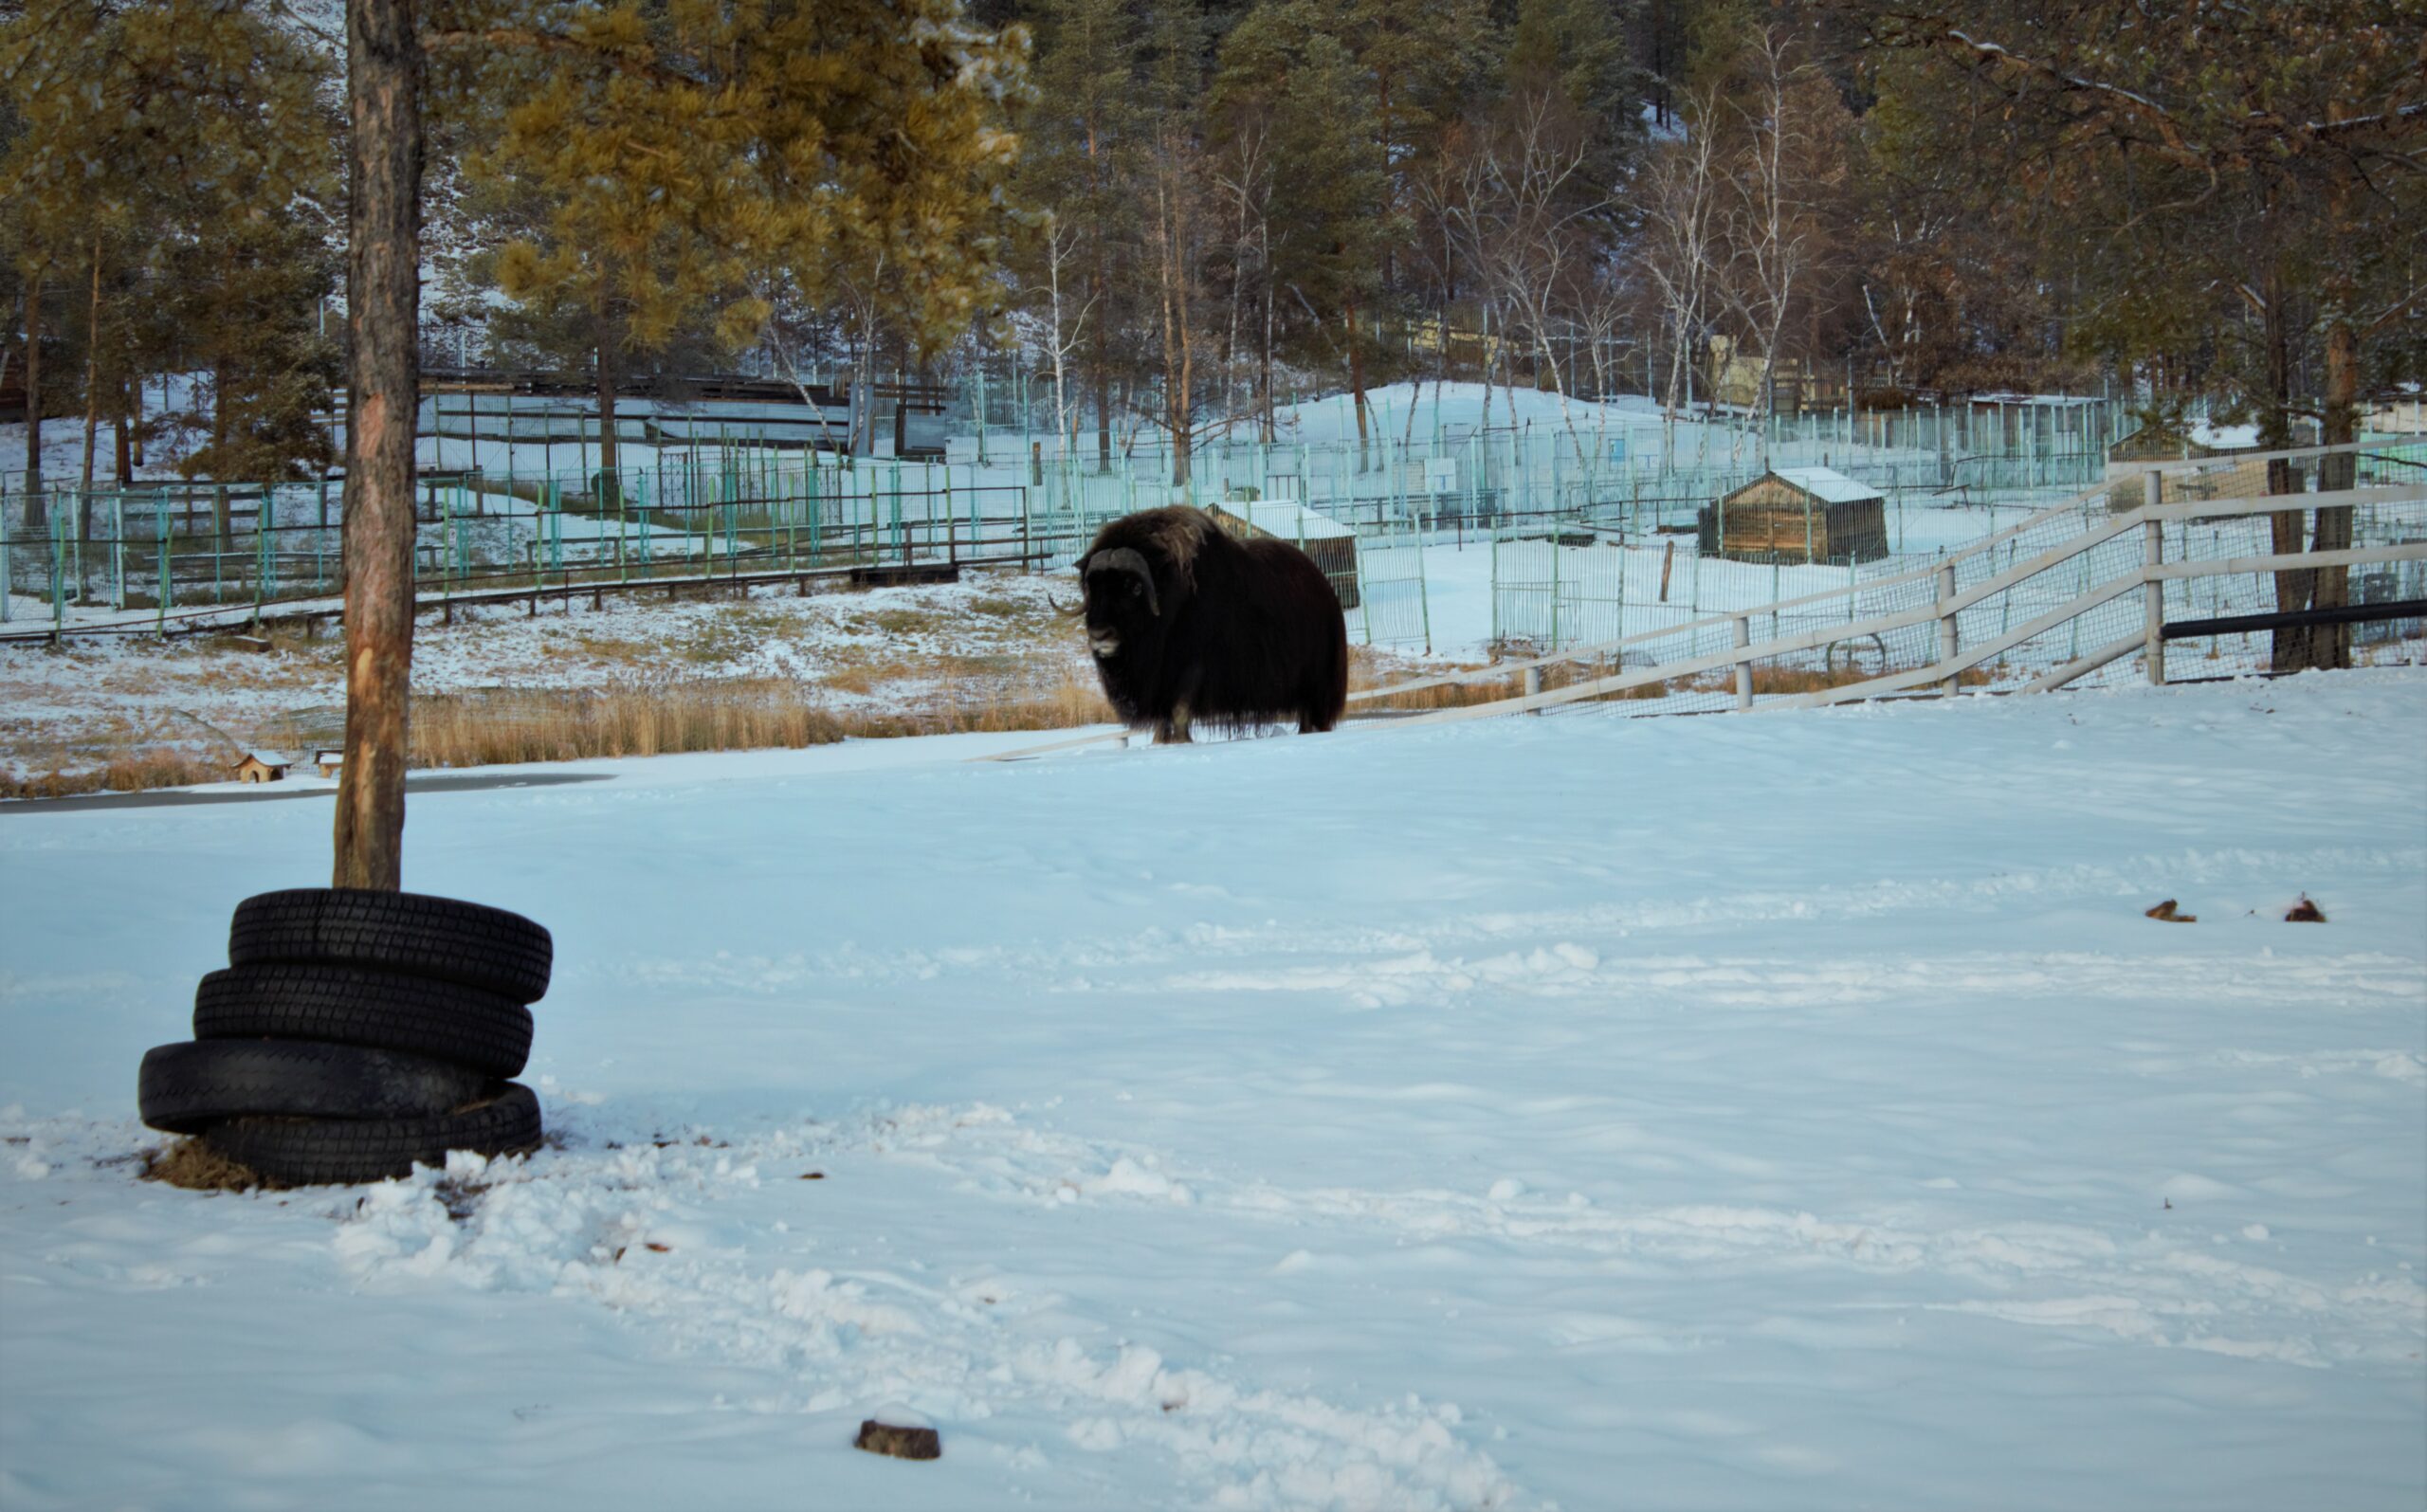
(1331, 545)
(262, 766)
(1797, 515)
(329, 762)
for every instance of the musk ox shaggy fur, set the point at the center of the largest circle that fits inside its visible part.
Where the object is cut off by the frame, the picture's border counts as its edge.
(1190, 625)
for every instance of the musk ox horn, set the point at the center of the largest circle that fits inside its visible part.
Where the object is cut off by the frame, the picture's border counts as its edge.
(1124, 559)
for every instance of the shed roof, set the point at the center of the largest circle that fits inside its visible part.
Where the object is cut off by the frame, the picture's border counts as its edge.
(1290, 522)
(1827, 484)
(268, 758)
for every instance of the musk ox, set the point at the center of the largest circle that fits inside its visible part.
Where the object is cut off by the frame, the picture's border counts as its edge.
(1190, 625)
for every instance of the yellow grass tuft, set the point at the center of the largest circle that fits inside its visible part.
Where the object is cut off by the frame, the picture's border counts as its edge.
(196, 1167)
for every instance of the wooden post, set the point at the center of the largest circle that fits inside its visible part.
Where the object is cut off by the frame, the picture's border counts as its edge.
(383, 383)
(1947, 638)
(1533, 684)
(2152, 586)
(1668, 559)
(1743, 666)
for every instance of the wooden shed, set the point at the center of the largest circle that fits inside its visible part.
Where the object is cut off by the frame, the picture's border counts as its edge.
(1797, 515)
(262, 766)
(1329, 543)
(330, 762)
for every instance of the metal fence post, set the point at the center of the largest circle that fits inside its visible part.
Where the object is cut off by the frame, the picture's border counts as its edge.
(1744, 627)
(1946, 637)
(2152, 586)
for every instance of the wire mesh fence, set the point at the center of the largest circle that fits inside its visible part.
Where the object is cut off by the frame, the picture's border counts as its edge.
(2068, 594)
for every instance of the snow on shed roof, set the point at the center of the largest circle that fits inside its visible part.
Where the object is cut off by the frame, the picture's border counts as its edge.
(268, 758)
(1827, 484)
(1290, 522)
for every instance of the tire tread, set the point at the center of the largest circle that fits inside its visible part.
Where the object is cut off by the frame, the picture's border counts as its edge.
(317, 1151)
(423, 935)
(365, 1005)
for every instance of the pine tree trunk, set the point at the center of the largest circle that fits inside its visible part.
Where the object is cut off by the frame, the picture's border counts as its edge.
(1265, 381)
(383, 314)
(610, 486)
(35, 516)
(1102, 378)
(2331, 645)
(92, 390)
(219, 523)
(2289, 648)
(1357, 382)
(121, 428)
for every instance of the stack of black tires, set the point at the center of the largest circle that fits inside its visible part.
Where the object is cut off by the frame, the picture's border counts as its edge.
(355, 1032)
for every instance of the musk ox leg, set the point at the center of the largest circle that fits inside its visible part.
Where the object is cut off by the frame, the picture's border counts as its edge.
(1326, 700)
(1174, 731)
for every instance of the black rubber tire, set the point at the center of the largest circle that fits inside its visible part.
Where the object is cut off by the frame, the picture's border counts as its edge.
(312, 1151)
(186, 1088)
(442, 938)
(363, 1005)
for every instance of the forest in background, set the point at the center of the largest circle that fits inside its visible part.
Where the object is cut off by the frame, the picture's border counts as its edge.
(1177, 212)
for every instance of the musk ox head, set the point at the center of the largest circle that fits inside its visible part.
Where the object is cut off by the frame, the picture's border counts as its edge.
(1134, 582)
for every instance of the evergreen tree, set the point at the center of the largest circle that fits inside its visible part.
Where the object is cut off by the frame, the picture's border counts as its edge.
(1077, 157)
(1296, 130)
(169, 160)
(658, 157)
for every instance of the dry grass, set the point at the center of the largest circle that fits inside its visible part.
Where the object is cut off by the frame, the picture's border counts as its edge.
(728, 714)
(196, 1167)
(482, 729)
(132, 772)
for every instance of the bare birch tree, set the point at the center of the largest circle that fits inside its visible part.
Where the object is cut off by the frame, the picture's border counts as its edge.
(1680, 246)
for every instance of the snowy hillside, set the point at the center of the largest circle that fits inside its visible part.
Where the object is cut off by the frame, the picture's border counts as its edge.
(1765, 1111)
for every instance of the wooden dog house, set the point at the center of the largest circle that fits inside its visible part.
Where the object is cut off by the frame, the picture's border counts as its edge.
(262, 766)
(1797, 515)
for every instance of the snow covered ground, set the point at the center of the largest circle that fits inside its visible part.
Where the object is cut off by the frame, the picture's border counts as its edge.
(1765, 1111)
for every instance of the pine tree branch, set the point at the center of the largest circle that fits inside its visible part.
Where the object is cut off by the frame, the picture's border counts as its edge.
(2092, 102)
(528, 39)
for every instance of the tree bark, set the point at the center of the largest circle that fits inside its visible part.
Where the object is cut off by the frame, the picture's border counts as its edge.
(1357, 382)
(1102, 375)
(2332, 646)
(92, 389)
(2289, 647)
(383, 314)
(122, 423)
(1263, 370)
(608, 452)
(35, 516)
